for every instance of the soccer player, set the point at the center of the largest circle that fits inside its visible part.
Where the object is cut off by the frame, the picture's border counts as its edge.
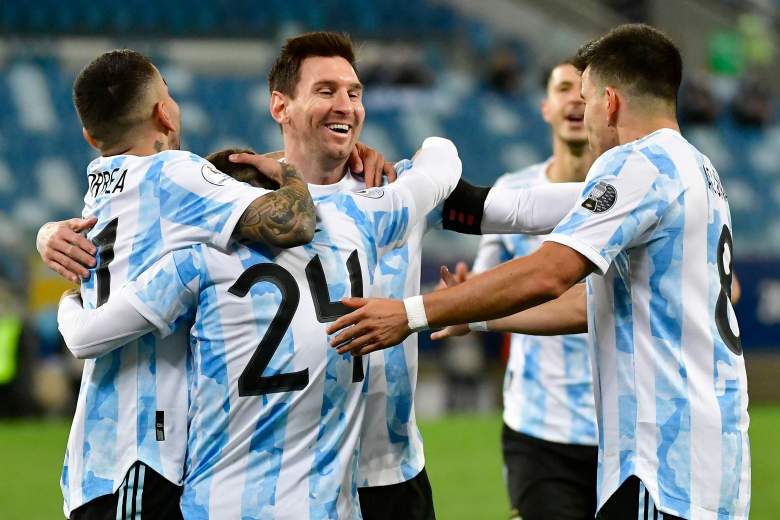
(316, 100)
(127, 442)
(549, 435)
(653, 225)
(275, 413)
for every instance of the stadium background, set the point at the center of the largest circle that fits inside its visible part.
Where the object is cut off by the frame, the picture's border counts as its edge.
(471, 71)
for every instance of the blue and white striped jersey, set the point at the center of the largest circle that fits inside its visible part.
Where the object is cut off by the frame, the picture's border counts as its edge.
(275, 415)
(391, 446)
(132, 402)
(670, 385)
(548, 385)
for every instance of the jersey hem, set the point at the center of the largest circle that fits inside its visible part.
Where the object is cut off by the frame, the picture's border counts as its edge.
(551, 438)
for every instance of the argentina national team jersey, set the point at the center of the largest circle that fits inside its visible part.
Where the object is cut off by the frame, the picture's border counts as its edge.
(391, 446)
(548, 385)
(275, 412)
(132, 402)
(671, 391)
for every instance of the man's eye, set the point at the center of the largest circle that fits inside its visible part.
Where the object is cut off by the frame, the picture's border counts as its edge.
(326, 92)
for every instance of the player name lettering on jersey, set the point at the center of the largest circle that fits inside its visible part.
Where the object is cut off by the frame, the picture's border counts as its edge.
(106, 182)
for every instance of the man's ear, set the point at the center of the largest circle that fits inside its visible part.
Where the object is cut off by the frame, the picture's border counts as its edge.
(613, 105)
(163, 118)
(89, 139)
(278, 107)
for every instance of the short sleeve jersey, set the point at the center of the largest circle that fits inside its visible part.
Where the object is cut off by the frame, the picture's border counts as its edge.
(132, 402)
(275, 412)
(670, 385)
(548, 385)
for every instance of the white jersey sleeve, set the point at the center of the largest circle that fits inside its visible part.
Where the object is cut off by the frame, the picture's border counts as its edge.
(491, 253)
(534, 211)
(163, 294)
(208, 200)
(615, 210)
(89, 333)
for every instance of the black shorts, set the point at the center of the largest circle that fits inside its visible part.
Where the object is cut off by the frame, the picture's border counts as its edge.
(547, 479)
(144, 494)
(410, 500)
(631, 500)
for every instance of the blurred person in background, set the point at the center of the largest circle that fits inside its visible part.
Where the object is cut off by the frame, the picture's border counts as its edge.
(18, 350)
(549, 436)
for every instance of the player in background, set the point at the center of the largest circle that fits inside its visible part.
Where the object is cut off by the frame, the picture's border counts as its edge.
(274, 426)
(127, 442)
(549, 435)
(654, 225)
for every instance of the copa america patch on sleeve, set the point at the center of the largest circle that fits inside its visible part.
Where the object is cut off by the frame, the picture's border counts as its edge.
(601, 198)
(212, 175)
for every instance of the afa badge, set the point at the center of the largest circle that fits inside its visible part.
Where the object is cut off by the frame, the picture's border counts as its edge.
(601, 198)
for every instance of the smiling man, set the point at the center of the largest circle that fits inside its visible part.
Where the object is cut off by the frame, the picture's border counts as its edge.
(653, 225)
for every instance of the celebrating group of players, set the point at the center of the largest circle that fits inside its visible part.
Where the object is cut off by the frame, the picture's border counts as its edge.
(233, 330)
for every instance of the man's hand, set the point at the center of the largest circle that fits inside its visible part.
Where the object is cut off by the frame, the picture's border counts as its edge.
(376, 324)
(371, 164)
(64, 250)
(271, 168)
(448, 280)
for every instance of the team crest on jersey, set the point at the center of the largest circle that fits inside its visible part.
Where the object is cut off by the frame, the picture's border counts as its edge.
(371, 193)
(601, 198)
(213, 176)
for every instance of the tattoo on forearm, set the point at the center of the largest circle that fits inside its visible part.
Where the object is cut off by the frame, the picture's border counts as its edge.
(283, 218)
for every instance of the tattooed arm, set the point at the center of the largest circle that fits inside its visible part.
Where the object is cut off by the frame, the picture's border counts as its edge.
(282, 218)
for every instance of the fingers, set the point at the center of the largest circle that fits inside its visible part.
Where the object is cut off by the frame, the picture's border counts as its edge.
(389, 171)
(461, 272)
(343, 340)
(81, 224)
(73, 269)
(62, 270)
(355, 163)
(451, 331)
(347, 319)
(440, 334)
(447, 277)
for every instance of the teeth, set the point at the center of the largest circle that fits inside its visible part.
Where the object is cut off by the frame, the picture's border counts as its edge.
(339, 128)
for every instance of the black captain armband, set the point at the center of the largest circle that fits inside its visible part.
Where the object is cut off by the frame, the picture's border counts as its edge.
(462, 211)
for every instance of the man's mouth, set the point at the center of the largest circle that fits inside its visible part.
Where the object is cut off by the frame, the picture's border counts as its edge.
(575, 118)
(339, 128)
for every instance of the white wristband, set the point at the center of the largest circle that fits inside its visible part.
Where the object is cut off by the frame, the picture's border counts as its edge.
(479, 326)
(415, 313)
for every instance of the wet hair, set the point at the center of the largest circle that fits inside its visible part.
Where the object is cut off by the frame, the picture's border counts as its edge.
(636, 57)
(108, 92)
(239, 171)
(286, 70)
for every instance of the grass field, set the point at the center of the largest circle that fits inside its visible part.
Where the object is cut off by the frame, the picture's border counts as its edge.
(462, 454)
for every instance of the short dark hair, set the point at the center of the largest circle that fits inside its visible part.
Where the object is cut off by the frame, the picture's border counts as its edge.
(286, 70)
(637, 57)
(107, 92)
(547, 76)
(239, 171)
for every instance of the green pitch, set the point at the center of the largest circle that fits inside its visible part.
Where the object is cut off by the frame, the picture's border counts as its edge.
(462, 453)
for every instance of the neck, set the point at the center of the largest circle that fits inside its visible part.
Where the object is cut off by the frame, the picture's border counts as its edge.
(147, 146)
(315, 170)
(570, 161)
(633, 126)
